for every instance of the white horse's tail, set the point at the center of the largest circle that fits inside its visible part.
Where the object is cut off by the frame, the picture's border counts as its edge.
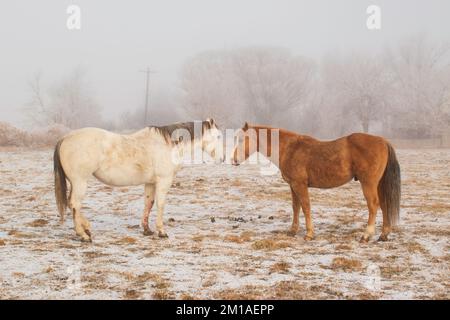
(60, 182)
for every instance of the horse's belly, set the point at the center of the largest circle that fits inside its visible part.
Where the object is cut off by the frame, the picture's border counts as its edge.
(329, 178)
(124, 175)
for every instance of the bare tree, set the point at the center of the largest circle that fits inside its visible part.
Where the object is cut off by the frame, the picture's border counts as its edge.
(211, 88)
(359, 85)
(422, 86)
(260, 84)
(69, 102)
(275, 84)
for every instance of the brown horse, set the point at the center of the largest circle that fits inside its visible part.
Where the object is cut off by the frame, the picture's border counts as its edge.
(306, 162)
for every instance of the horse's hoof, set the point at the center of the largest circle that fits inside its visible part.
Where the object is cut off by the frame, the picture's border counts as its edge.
(364, 239)
(308, 238)
(292, 233)
(86, 239)
(148, 232)
(162, 234)
(383, 237)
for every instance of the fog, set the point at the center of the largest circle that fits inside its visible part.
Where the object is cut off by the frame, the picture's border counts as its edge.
(118, 40)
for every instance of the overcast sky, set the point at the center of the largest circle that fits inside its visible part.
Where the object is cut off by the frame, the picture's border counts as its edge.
(117, 40)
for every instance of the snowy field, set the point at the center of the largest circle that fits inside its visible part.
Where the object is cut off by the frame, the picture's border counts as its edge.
(227, 238)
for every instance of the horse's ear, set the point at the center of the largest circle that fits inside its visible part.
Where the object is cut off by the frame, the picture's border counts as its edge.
(212, 122)
(245, 128)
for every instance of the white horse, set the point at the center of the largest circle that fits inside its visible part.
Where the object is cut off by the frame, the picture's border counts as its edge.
(151, 156)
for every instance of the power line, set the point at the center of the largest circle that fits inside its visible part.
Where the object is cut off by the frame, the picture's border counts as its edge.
(147, 72)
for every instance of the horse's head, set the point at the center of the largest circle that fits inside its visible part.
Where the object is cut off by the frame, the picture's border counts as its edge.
(212, 140)
(241, 150)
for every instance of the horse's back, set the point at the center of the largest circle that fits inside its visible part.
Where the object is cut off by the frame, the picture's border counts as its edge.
(329, 164)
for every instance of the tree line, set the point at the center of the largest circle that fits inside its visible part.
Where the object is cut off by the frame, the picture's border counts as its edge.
(401, 91)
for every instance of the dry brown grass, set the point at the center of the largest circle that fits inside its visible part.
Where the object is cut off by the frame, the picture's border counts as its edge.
(94, 254)
(280, 267)
(161, 284)
(243, 237)
(343, 247)
(209, 281)
(390, 271)
(269, 244)
(163, 294)
(346, 264)
(2, 242)
(244, 293)
(236, 183)
(126, 240)
(20, 234)
(38, 223)
(18, 274)
(198, 238)
(186, 296)
(131, 294)
(48, 270)
(289, 290)
(414, 247)
(366, 295)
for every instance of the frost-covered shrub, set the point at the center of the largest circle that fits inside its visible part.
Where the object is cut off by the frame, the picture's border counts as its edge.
(12, 136)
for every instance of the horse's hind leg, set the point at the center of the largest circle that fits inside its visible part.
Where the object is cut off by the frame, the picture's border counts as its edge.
(149, 201)
(386, 226)
(371, 195)
(302, 193)
(82, 226)
(295, 211)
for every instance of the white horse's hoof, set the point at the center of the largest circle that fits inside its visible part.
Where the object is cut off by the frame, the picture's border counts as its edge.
(86, 239)
(162, 234)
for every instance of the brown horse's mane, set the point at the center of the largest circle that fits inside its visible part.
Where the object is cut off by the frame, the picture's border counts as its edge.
(283, 131)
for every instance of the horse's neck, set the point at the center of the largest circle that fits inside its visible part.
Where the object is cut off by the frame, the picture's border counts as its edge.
(275, 152)
(187, 146)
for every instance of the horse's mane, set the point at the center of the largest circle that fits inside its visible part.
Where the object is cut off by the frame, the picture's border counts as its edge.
(167, 131)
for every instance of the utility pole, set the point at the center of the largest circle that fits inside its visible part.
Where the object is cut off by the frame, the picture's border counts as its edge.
(147, 71)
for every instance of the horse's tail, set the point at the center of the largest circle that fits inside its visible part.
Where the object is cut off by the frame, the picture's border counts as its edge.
(389, 188)
(60, 182)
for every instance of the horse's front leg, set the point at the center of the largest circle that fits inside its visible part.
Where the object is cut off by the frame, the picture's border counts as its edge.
(162, 187)
(296, 210)
(149, 200)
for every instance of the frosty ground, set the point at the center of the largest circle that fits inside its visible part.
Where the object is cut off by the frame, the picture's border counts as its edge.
(227, 238)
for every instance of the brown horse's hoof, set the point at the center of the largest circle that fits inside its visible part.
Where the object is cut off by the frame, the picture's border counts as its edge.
(364, 239)
(148, 232)
(292, 233)
(383, 237)
(308, 238)
(162, 234)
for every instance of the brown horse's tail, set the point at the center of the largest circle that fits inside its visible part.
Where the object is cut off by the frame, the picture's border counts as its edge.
(389, 188)
(60, 182)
